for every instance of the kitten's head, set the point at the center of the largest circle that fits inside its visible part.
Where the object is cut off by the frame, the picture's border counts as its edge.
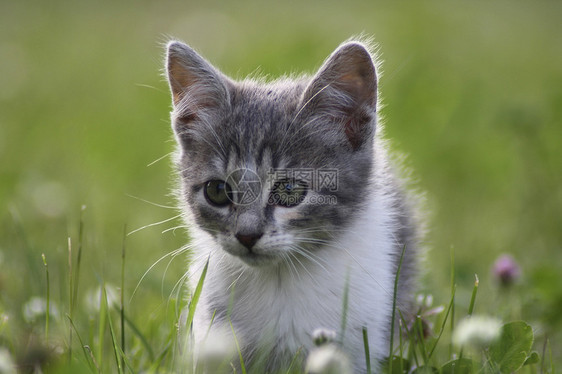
(273, 171)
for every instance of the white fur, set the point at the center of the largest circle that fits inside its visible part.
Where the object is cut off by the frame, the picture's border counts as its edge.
(287, 304)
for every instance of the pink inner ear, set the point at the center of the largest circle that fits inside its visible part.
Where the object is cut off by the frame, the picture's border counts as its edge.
(354, 83)
(179, 78)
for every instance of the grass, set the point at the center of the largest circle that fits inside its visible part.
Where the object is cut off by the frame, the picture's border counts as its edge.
(472, 93)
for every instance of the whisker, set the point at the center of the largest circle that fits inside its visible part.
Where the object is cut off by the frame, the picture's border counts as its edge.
(291, 265)
(154, 224)
(172, 253)
(314, 241)
(175, 228)
(178, 285)
(160, 159)
(150, 202)
(172, 258)
(237, 279)
(151, 87)
(292, 254)
(308, 255)
(325, 229)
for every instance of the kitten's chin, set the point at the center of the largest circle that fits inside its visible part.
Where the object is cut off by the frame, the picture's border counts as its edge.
(258, 260)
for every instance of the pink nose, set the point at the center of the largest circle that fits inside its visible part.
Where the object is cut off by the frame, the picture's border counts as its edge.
(248, 241)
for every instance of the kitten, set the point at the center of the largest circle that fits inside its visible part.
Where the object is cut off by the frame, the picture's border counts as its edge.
(289, 195)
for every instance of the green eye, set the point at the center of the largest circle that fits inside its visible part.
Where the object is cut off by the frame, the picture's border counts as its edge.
(218, 192)
(287, 193)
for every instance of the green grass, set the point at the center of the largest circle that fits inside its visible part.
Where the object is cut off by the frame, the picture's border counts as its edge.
(472, 93)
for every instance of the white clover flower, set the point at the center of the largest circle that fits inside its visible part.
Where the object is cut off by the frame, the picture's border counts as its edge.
(328, 359)
(36, 308)
(323, 336)
(7, 365)
(424, 301)
(477, 332)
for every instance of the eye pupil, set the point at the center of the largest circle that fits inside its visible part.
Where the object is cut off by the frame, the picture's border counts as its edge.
(287, 193)
(218, 192)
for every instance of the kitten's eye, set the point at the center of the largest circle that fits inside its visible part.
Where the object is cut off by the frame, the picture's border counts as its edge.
(218, 192)
(288, 193)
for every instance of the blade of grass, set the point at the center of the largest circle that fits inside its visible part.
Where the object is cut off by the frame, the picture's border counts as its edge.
(79, 256)
(112, 333)
(142, 338)
(91, 354)
(125, 361)
(154, 368)
(193, 305)
(419, 329)
(47, 312)
(473, 297)
(242, 366)
(73, 278)
(296, 358)
(122, 311)
(444, 323)
(176, 310)
(101, 326)
(211, 324)
(453, 287)
(195, 297)
(86, 355)
(400, 337)
(91, 332)
(70, 295)
(412, 339)
(177, 321)
(367, 353)
(393, 316)
(471, 306)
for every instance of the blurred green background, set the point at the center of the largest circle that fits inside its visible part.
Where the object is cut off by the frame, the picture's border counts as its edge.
(472, 94)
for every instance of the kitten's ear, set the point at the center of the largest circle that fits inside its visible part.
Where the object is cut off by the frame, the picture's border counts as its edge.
(345, 91)
(195, 84)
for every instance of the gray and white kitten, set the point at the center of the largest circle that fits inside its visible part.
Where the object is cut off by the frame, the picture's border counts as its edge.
(289, 195)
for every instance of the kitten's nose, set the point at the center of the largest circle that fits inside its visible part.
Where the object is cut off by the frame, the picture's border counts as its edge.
(248, 241)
